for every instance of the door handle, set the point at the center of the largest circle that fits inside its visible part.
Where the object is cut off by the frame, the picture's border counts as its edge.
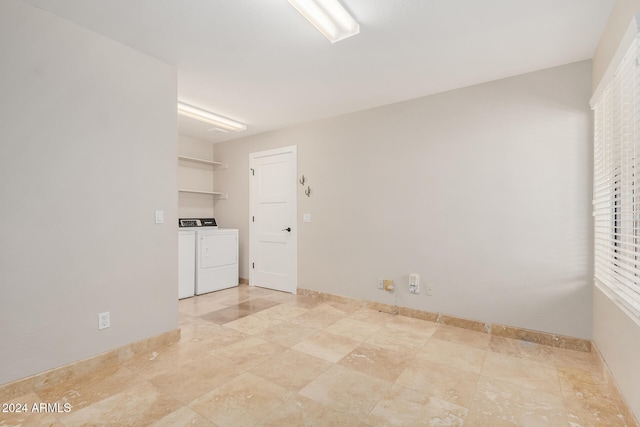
(287, 229)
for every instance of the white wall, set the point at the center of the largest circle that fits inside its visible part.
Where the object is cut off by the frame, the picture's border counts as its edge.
(483, 191)
(617, 336)
(615, 333)
(88, 144)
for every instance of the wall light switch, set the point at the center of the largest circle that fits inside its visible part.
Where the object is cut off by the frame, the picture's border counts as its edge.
(306, 217)
(159, 216)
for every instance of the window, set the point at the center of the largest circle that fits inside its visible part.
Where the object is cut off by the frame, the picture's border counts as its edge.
(616, 188)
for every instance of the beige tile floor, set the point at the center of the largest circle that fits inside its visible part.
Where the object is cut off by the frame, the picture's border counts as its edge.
(254, 357)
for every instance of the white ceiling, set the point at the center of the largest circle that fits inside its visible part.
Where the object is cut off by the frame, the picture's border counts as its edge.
(261, 62)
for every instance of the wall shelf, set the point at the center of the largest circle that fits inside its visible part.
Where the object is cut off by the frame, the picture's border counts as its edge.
(191, 164)
(216, 165)
(210, 193)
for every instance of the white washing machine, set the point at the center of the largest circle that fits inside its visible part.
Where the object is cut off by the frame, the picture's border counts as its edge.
(186, 262)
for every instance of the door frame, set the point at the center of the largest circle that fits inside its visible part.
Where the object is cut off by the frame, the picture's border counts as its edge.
(294, 210)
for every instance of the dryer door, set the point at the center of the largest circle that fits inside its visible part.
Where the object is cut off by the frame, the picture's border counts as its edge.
(218, 249)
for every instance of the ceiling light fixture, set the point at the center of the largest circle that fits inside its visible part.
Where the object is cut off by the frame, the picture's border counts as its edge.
(218, 121)
(329, 17)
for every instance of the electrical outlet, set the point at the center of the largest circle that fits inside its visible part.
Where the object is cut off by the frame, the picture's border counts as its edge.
(380, 283)
(414, 283)
(388, 285)
(429, 290)
(104, 320)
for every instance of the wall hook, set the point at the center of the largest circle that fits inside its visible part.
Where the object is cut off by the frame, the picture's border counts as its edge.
(308, 191)
(302, 180)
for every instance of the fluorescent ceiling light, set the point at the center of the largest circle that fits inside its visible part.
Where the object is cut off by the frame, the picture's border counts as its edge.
(209, 117)
(329, 17)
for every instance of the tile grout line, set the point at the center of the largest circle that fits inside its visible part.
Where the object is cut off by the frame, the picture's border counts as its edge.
(475, 389)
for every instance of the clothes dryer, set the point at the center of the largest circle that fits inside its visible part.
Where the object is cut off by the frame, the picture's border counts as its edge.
(217, 259)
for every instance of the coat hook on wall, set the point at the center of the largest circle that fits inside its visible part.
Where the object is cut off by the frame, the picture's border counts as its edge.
(302, 180)
(308, 191)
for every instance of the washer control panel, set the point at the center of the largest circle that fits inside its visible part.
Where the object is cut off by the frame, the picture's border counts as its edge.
(197, 222)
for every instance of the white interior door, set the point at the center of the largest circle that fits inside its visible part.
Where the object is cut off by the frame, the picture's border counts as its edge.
(273, 219)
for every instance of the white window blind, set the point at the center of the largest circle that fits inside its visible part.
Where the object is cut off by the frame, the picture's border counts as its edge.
(616, 189)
